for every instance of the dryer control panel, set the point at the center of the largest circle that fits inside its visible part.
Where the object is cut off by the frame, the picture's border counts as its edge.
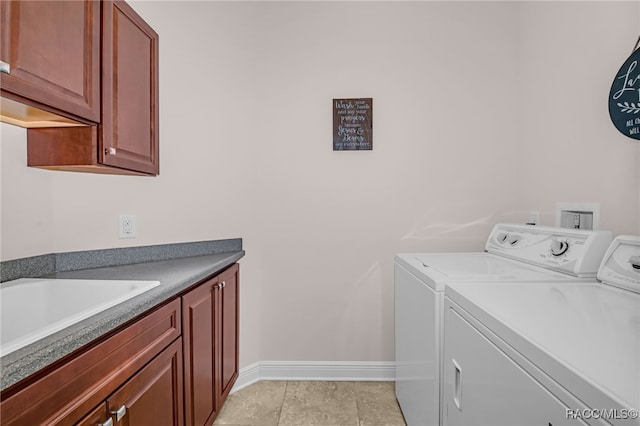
(621, 264)
(575, 252)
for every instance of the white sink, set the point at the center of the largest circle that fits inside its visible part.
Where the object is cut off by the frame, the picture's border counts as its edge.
(33, 308)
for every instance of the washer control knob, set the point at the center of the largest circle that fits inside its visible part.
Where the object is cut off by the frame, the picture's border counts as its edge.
(558, 248)
(635, 262)
(502, 237)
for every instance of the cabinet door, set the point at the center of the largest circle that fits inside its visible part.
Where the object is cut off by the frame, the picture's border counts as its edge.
(210, 324)
(98, 417)
(154, 395)
(200, 373)
(484, 387)
(53, 50)
(227, 333)
(66, 394)
(129, 126)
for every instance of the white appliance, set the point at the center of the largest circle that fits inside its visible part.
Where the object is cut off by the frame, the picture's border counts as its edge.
(512, 253)
(546, 353)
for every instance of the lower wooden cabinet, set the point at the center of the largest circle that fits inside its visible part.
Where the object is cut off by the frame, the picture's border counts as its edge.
(66, 394)
(154, 395)
(97, 417)
(210, 324)
(227, 320)
(199, 370)
(174, 366)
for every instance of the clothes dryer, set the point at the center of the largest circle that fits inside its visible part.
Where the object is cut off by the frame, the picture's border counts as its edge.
(546, 353)
(513, 253)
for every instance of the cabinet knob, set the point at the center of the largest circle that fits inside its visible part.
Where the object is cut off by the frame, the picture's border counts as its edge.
(5, 67)
(223, 284)
(119, 413)
(109, 422)
(110, 151)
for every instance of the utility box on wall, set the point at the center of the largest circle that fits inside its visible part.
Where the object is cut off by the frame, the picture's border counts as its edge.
(578, 216)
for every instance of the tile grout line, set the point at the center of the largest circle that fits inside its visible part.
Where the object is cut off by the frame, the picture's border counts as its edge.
(284, 395)
(355, 394)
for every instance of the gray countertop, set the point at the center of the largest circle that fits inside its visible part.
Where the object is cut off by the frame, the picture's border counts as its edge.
(175, 276)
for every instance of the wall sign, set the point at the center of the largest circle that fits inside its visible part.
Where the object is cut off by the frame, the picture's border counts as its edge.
(624, 97)
(353, 124)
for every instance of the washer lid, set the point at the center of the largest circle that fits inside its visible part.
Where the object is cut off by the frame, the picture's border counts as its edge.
(440, 269)
(484, 266)
(585, 336)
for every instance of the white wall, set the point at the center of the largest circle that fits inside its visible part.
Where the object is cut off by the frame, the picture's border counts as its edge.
(246, 150)
(569, 149)
(332, 221)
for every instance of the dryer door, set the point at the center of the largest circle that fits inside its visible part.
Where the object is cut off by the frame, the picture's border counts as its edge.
(483, 386)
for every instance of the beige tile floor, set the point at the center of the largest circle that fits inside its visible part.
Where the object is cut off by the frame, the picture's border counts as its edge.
(298, 403)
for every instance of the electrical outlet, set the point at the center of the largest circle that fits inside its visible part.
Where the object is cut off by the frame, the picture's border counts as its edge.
(127, 228)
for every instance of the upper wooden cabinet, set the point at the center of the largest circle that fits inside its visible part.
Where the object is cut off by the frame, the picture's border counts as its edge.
(52, 50)
(129, 126)
(63, 55)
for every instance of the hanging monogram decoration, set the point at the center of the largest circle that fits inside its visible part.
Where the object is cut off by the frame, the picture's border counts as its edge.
(624, 97)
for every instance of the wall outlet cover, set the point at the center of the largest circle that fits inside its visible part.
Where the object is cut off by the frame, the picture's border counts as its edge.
(127, 226)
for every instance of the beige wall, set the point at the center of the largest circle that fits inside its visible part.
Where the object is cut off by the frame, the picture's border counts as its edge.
(570, 151)
(463, 134)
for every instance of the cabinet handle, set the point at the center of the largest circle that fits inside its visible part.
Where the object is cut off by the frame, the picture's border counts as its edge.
(120, 413)
(457, 384)
(5, 67)
(109, 422)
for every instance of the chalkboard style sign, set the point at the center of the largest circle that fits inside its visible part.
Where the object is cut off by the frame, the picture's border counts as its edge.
(353, 124)
(624, 97)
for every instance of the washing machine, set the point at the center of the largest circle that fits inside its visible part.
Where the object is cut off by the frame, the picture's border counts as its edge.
(513, 253)
(546, 353)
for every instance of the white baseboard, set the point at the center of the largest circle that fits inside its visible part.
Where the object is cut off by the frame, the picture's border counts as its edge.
(247, 376)
(315, 370)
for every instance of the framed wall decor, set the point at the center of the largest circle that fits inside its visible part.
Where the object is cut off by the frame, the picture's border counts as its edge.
(353, 124)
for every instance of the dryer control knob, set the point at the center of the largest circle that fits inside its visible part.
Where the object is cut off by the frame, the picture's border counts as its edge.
(513, 239)
(558, 248)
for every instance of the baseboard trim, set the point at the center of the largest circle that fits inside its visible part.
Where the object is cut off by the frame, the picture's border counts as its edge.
(315, 370)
